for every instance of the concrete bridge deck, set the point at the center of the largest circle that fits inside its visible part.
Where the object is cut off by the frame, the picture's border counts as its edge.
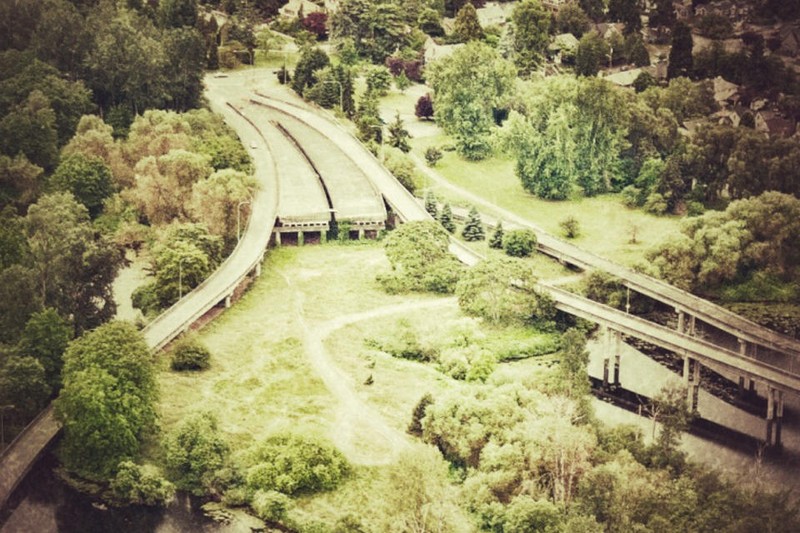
(353, 196)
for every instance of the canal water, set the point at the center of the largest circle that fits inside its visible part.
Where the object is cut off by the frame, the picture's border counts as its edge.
(44, 504)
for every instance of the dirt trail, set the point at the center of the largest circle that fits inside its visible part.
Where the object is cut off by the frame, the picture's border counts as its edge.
(359, 432)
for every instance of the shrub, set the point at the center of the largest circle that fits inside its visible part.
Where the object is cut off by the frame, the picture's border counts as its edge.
(402, 167)
(473, 227)
(379, 79)
(194, 453)
(519, 242)
(189, 354)
(145, 298)
(294, 464)
(271, 506)
(432, 156)
(424, 107)
(656, 204)
(570, 227)
(446, 219)
(481, 367)
(141, 485)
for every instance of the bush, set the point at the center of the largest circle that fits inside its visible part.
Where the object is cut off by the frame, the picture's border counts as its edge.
(519, 243)
(481, 367)
(656, 204)
(145, 298)
(141, 485)
(294, 464)
(570, 227)
(271, 506)
(379, 79)
(496, 241)
(189, 354)
(402, 167)
(194, 453)
(424, 107)
(432, 156)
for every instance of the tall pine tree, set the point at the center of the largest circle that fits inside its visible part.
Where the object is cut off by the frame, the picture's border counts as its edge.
(473, 229)
(446, 219)
(496, 241)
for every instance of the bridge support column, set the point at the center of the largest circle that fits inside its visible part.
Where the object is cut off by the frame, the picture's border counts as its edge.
(695, 385)
(681, 319)
(277, 238)
(770, 415)
(742, 347)
(605, 373)
(228, 299)
(617, 356)
(323, 237)
(258, 267)
(300, 238)
(778, 417)
(692, 325)
(742, 390)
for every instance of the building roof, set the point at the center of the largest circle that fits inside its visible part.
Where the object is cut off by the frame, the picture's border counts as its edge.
(774, 124)
(724, 90)
(495, 13)
(624, 78)
(435, 51)
(564, 41)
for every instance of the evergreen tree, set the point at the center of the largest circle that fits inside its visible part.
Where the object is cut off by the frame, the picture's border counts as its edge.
(680, 55)
(473, 229)
(398, 134)
(496, 241)
(446, 219)
(431, 206)
(467, 27)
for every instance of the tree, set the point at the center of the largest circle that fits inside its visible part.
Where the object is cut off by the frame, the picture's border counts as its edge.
(419, 255)
(503, 290)
(30, 129)
(496, 241)
(473, 227)
(88, 179)
(531, 24)
(398, 134)
(636, 52)
(431, 205)
(572, 19)
(432, 155)
(20, 182)
(311, 60)
(593, 8)
(670, 408)
(446, 219)
(572, 369)
(177, 13)
(430, 22)
(107, 403)
(378, 79)
(45, 338)
(469, 86)
(592, 53)
(519, 242)
(424, 107)
(376, 28)
(185, 58)
(222, 202)
(20, 297)
(680, 54)
(317, 23)
(570, 227)
(662, 14)
(627, 11)
(194, 452)
(467, 27)
(23, 385)
(75, 267)
(419, 496)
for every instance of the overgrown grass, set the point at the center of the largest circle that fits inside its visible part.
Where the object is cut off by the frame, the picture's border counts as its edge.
(606, 225)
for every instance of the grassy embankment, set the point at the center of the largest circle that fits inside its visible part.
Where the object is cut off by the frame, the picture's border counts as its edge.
(262, 381)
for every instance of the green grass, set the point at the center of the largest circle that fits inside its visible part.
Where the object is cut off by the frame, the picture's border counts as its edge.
(605, 223)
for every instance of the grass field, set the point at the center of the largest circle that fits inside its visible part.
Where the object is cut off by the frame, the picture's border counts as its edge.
(261, 380)
(606, 224)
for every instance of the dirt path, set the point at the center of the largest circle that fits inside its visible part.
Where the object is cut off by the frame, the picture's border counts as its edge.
(359, 432)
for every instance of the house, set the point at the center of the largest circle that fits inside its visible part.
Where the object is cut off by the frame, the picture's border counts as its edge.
(624, 78)
(563, 45)
(433, 51)
(291, 9)
(607, 29)
(732, 116)
(495, 13)
(725, 92)
(726, 8)
(774, 124)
